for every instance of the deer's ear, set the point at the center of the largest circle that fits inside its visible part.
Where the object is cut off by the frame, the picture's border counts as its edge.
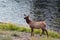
(24, 14)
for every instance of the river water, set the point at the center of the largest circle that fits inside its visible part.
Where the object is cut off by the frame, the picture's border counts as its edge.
(14, 10)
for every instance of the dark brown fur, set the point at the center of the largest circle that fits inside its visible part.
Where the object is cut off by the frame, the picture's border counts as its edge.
(36, 25)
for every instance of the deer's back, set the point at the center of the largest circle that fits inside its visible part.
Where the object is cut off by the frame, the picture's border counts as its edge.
(39, 24)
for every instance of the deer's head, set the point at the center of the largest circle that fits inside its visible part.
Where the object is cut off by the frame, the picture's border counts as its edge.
(26, 17)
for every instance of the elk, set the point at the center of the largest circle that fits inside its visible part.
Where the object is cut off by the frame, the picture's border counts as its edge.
(36, 25)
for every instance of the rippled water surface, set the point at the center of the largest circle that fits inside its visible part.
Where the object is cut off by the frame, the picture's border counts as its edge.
(13, 10)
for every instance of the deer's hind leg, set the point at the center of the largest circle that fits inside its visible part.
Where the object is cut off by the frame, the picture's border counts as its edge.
(46, 31)
(42, 32)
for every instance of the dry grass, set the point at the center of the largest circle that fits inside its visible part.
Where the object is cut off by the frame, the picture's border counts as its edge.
(9, 35)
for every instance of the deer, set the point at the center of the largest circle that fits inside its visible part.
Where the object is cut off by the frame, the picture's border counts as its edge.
(36, 25)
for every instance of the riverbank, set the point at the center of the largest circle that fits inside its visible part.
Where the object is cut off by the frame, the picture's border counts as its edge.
(14, 35)
(9, 31)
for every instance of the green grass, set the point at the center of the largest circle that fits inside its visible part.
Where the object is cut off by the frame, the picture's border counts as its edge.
(14, 27)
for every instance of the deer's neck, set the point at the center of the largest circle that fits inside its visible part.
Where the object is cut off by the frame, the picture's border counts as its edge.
(28, 21)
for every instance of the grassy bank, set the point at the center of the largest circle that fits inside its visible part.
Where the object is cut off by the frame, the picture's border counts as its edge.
(14, 27)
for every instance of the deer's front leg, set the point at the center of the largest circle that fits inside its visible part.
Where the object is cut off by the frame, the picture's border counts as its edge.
(32, 34)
